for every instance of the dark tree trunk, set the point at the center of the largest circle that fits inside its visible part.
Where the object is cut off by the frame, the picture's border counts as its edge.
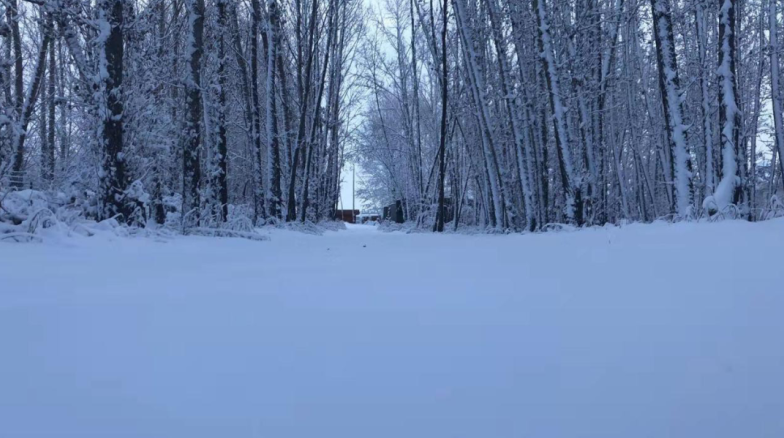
(159, 211)
(12, 14)
(417, 124)
(311, 143)
(254, 83)
(191, 198)
(26, 109)
(291, 213)
(439, 225)
(223, 185)
(113, 180)
(49, 160)
(273, 140)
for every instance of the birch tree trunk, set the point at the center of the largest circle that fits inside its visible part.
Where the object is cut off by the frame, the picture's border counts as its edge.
(512, 116)
(707, 128)
(669, 86)
(775, 81)
(498, 218)
(728, 189)
(571, 186)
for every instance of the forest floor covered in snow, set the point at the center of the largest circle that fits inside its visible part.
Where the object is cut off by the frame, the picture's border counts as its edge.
(642, 331)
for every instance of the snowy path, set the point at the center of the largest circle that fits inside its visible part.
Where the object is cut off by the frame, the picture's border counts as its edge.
(647, 331)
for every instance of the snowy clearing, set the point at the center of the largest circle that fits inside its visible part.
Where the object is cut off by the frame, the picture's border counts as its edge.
(644, 331)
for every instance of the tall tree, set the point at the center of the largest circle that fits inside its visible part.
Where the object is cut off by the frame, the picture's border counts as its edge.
(569, 182)
(191, 196)
(273, 141)
(256, 114)
(49, 157)
(441, 212)
(707, 125)
(728, 189)
(669, 87)
(775, 84)
(223, 85)
(291, 213)
(24, 103)
(113, 173)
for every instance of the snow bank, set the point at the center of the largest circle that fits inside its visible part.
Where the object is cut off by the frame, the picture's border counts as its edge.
(36, 216)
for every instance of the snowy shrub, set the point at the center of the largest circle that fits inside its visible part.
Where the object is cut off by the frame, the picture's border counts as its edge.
(316, 229)
(32, 215)
(390, 226)
(332, 225)
(306, 227)
(559, 227)
(774, 209)
(25, 213)
(172, 205)
(239, 222)
(138, 201)
(710, 206)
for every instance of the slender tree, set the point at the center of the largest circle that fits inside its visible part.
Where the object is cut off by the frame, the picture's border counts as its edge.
(669, 87)
(775, 84)
(440, 213)
(191, 196)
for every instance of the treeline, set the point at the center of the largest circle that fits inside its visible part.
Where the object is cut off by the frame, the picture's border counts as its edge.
(187, 111)
(521, 114)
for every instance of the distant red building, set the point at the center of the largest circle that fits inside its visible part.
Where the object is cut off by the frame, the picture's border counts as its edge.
(349, 216)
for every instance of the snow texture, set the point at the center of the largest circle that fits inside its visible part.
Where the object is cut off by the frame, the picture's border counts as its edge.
(663, 330)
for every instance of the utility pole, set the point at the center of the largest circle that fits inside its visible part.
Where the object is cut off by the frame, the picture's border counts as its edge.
(353, 194)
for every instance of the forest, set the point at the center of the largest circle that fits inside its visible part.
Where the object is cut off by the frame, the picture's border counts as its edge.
(504, 115)
(581, 218)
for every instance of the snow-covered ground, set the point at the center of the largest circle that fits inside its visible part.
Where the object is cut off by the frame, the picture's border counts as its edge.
(644, 331)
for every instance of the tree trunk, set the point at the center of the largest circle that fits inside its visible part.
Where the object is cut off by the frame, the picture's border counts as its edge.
(707, 128)
(273, 142)
(669, 86)
(569, 181)
(291, 213)
(191, 198)
(26, 109)
(49, 160)
(511, 113)
(775, 80)
(259, 211)
(476, 82)
(439, 225)
(728, 189)
(222, 147)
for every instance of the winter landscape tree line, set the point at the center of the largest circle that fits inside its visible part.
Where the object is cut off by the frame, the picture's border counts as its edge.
(523, 114)
(503, 114)
(205, 109)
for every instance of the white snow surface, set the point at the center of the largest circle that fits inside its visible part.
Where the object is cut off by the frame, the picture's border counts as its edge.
(642, 331)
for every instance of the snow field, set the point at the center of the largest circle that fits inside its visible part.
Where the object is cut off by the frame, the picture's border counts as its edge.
(643, 331)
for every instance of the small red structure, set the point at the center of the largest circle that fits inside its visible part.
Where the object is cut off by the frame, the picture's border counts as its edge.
(349, 216)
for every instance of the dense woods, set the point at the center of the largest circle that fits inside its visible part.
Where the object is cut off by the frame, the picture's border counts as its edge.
(580, 112)
(503, 114)
(186, 112)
